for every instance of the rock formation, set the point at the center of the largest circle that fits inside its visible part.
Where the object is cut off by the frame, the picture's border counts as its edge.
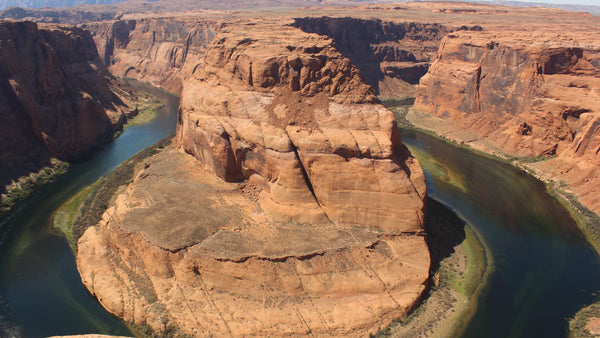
(316, 226)
(57, 100)
(393, 56)
(514, 96)
(525, 99)
(162, 51)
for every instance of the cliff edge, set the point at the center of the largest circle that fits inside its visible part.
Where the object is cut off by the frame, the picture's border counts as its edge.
(518, 93)
(315, 225)
(56, 98)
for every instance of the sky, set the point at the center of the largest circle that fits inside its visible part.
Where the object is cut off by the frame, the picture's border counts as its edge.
(567, 2)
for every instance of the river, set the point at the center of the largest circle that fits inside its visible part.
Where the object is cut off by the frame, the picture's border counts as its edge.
(544, 269)
(41, 293)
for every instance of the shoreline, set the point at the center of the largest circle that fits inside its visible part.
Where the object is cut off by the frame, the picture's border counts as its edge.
(456, 283)
(453, 292)
(19, 191)
(86, 207)
(586, 321)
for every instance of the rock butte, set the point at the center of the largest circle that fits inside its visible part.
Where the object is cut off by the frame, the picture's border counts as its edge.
(315, 226)
(324, 236)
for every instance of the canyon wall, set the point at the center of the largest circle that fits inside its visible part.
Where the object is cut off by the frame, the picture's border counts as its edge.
(57, 99)
(392, 56)
(162, 51)
(518, 98)
(315, 226)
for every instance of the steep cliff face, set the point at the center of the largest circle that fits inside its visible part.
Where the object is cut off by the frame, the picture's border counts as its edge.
(252, 111)
(509, 97)
(393, 56)
(53, 3)
(57, 100)
(163, 52)
(316, 227)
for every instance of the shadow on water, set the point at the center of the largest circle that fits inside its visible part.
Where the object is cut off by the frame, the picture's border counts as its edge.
(41, 293)
(544, 269)
(445, 230)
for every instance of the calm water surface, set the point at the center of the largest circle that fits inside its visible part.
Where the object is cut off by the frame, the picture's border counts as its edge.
(40, 289)
(544, 269)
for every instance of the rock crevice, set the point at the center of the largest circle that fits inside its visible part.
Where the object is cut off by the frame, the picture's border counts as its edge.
(314, 226)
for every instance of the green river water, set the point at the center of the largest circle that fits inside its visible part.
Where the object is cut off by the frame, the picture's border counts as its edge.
(544, 269)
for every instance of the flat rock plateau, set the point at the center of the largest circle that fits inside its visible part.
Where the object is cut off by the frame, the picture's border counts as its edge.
(287, 204)
(314, 224)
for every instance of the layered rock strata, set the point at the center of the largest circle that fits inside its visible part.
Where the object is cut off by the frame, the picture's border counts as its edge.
(393, 56)
(162, 51)
(56, 97)
(316, 226)
(509, 96)
(297, 117)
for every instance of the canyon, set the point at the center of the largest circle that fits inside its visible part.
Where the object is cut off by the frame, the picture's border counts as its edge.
(287, 203)
(303, 245)
(58, 100)
(483, 78)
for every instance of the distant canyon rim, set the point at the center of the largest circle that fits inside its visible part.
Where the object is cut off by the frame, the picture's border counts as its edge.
(288, 204)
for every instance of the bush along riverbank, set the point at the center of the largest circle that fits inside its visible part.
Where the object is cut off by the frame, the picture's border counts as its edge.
(586, 322)
(86, 208)
(460, 266)
(19, 190)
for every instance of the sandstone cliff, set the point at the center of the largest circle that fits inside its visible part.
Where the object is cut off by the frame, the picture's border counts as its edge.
(162, 51)
(393, 56)
(511, 95)
(56, 98)
(322, 236)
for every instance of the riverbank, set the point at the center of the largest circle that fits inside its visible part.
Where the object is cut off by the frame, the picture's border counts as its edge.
(587, 220)
(19, 190)
(461, 266)
(86, 208)
(71, 212)
(586, 321)
(24, 186)
(147, 112)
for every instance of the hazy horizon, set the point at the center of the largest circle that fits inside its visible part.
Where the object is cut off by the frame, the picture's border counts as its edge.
(562, 2)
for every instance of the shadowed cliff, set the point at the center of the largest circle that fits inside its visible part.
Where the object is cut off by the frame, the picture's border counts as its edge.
(56, 98)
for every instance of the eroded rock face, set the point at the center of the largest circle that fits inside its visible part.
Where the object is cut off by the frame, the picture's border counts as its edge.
(509, 97)
(393, 56)
(162, 51)
(56, 98)
(315, 227)
(298, 121)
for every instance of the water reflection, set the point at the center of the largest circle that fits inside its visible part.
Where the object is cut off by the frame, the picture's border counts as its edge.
(40, 288)
(544, 269)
